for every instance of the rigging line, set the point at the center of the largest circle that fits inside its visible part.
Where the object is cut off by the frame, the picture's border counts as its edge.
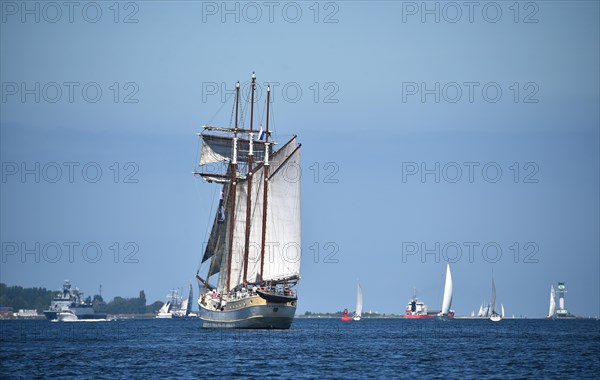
(258, 111)
(205, 242)
(242, 113)
(219, 110)
(231, 116)
(272, 124)
(261, 116)
(196, 186)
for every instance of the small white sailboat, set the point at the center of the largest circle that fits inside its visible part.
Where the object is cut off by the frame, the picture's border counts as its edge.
(359, 304)
(165, 311)
(494, 316)
(552, 309)
(480, 313)
(447, 300)
(185, 310)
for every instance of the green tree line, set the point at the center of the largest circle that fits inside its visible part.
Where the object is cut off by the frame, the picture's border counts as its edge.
(18, 297)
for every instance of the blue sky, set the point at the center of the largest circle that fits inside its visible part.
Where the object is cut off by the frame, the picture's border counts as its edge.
(376, 98)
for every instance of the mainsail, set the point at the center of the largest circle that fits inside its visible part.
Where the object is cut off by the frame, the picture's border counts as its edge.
(480, 313)
(359, 301)
(552, 308)
(447, 300)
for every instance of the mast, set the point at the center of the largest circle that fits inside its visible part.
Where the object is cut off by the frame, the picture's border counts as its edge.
(233, 184)
(493, 296)
(249, 181)
(266, 187)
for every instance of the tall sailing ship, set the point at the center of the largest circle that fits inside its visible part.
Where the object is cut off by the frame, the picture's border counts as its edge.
(254, 243)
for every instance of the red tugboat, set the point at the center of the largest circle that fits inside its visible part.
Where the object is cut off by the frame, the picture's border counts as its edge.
(346, 318)
(416, 309)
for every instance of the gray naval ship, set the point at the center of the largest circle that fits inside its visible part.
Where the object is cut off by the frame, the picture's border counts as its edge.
(69, 305)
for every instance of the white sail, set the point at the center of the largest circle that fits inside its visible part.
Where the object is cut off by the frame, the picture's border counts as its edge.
(502, 308)
(552, 308)
(256, 216)
(184, 306)
(210, 155)
(494, 316)
(283, 250)
(359, 301)
(480, 313)
(282, 246)
(447, 300)
(165, 308)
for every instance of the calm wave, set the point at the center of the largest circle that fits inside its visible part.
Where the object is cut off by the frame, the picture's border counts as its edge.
(313, 348)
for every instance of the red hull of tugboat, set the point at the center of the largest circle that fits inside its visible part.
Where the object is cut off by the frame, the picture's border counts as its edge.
(418, 316)
(427, 316)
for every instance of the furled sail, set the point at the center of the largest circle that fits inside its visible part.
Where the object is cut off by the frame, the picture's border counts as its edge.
(447, 300)
(220, 149)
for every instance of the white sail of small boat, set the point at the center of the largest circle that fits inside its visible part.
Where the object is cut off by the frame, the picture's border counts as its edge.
(480, 313)
(447, 300)
(359, 304)
(494, 316)
(552, 309)
(165, 311)
(184, 306)
(502, 307)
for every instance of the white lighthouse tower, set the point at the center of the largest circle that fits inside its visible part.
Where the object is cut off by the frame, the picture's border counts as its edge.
(562, 311)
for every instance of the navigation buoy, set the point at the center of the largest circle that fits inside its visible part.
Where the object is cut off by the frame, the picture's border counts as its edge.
(346, 318)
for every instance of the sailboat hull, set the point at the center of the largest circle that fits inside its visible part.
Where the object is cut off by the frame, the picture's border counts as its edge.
(248, 313)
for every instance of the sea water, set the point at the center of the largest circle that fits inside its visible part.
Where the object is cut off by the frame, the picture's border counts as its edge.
(312, 348)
